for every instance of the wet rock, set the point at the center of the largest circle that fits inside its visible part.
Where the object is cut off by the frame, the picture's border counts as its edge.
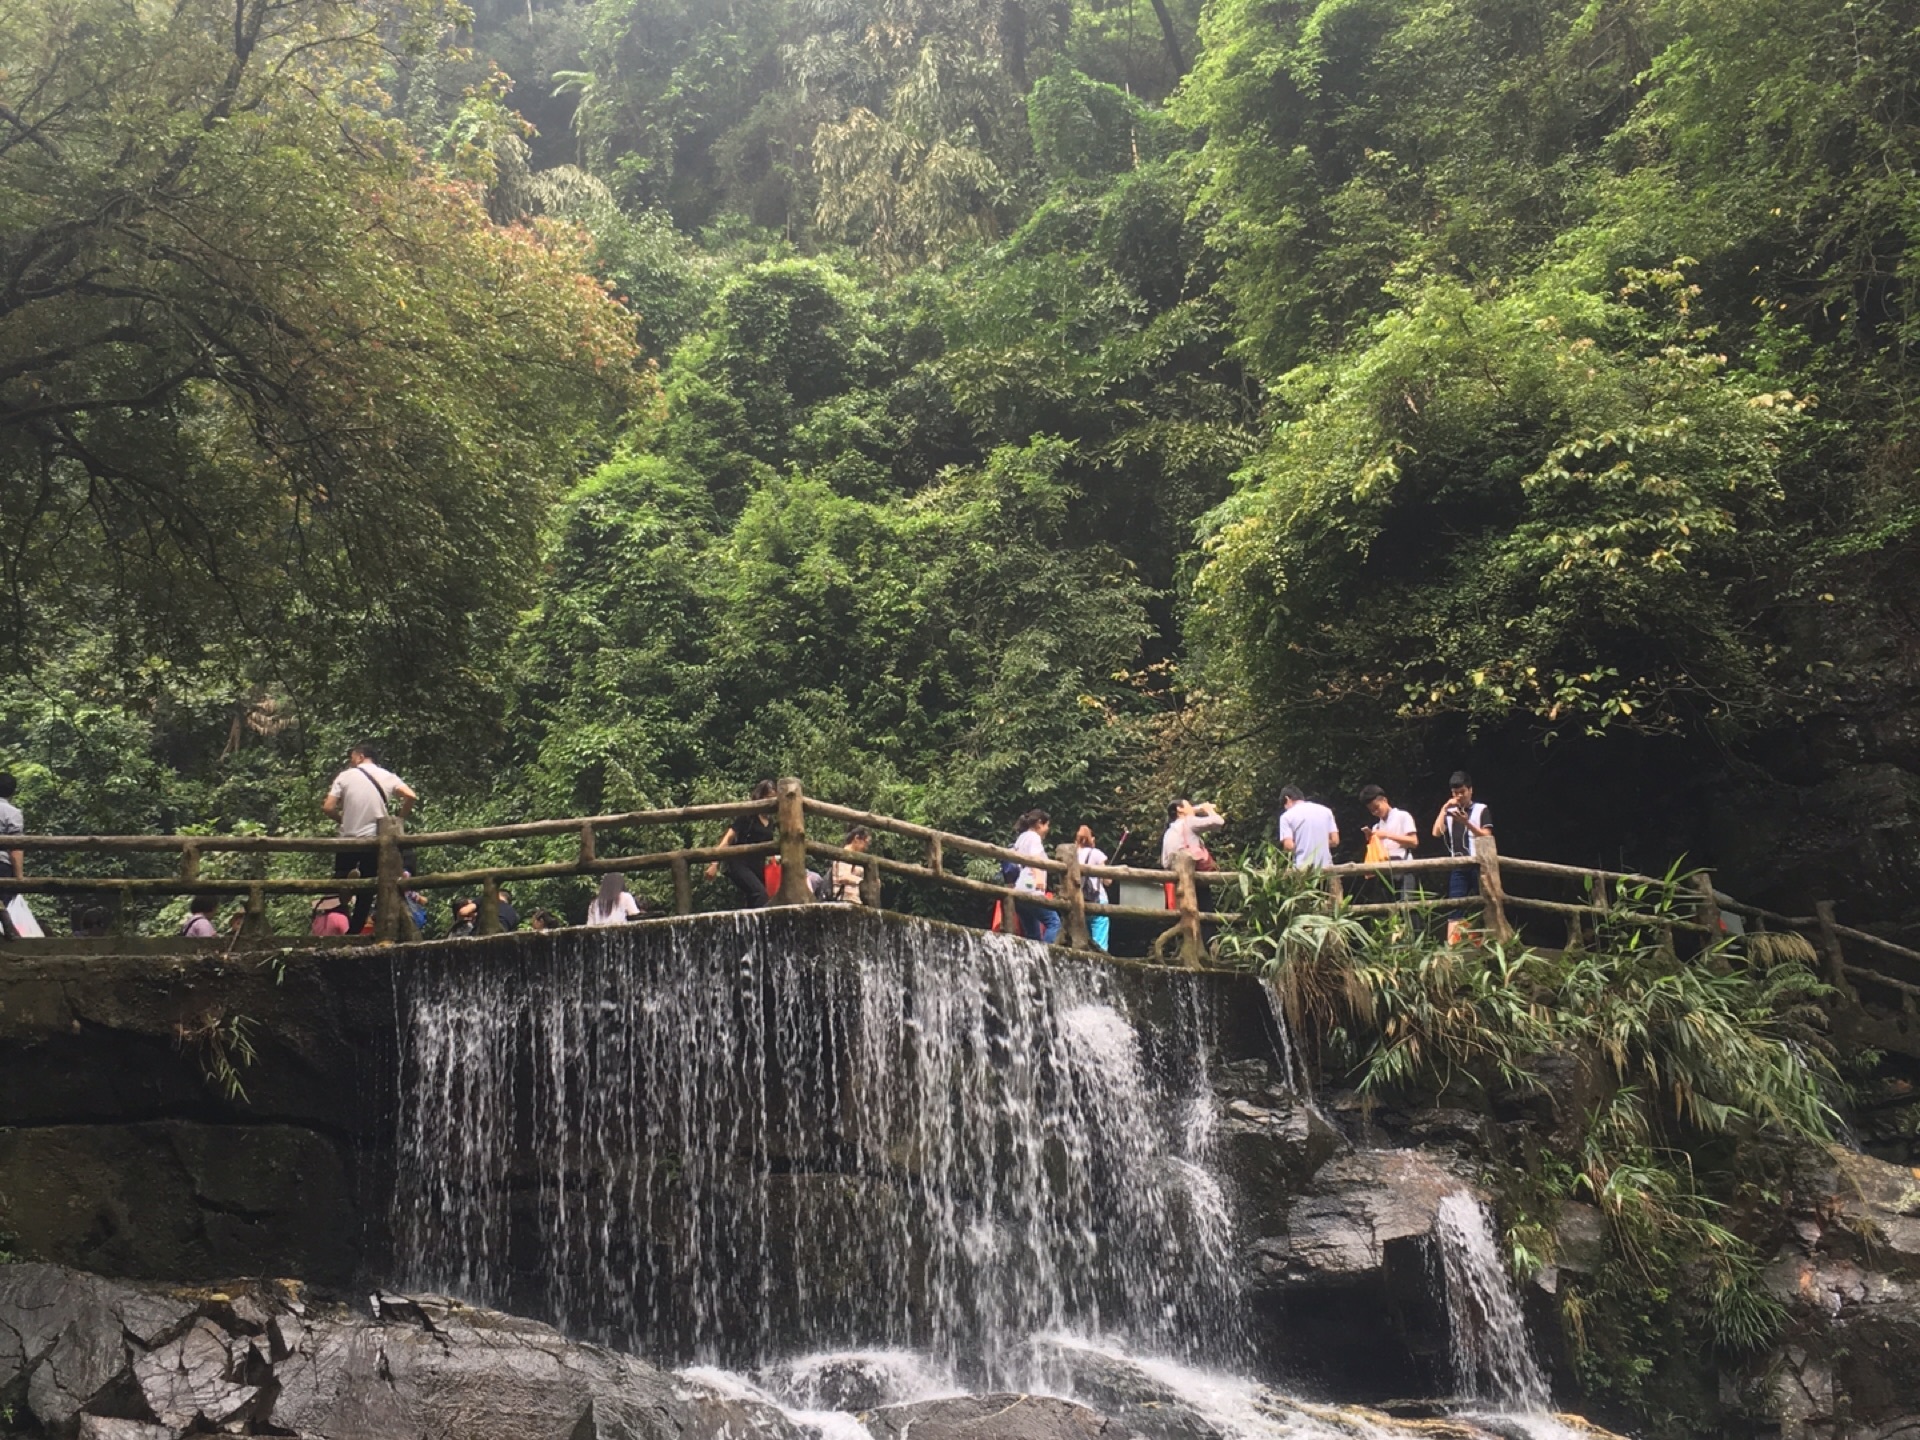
(994, 1417)
(1850, 1282)
(1445, 1125)
(1347, 1295)
(113, 1361)
(1359, 1204)
(1268, 1140)
(1118, 1388)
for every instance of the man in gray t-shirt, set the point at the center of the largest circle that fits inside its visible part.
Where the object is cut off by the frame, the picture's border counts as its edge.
(1307, 830)
(360, 795)
(12, 861)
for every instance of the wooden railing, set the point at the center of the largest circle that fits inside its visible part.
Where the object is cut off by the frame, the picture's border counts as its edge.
(931, 853)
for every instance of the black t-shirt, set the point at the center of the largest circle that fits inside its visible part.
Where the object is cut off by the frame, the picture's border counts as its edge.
(751, 829)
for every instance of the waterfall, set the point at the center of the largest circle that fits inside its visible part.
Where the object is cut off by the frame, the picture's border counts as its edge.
(1492, 1357)
(713, 1140)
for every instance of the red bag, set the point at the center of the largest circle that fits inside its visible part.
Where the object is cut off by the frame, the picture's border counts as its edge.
(771, 875)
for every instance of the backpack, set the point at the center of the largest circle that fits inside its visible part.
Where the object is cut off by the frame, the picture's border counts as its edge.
(1010, 872)
(1090, 889)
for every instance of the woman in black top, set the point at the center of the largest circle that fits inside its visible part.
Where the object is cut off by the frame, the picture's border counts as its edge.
(748, 872)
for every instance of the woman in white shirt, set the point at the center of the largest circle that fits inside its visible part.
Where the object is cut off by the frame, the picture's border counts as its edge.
(1092, 887)
(846, 878)
(1036, 921)
(613, 905)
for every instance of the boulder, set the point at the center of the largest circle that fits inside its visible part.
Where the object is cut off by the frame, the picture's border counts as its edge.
(64, 1335)
(1359, 1204)
(114, 1361)
(1344, 1301)
(1850, 1282)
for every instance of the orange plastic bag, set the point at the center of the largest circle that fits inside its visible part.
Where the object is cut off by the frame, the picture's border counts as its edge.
(771, 874)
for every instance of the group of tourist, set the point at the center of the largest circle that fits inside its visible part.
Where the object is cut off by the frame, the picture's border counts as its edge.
(1308, 831)
(365, 792)
(1040, 922)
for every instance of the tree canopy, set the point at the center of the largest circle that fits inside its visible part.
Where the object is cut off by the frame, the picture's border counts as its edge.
(271, 384)
(1056, 402)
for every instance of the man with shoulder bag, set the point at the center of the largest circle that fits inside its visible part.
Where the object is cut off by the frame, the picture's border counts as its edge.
(361, 796)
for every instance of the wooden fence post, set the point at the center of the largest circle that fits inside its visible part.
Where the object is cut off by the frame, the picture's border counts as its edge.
(682, 886)
(1830, 952)
(586, 844)
(792, 812)
(1186, 892)
(487, 920)
(1492, 892)
(256, 921)
(870, 895)
(387, 903)
(1078, 935)
(189, 864)
(1709, 906)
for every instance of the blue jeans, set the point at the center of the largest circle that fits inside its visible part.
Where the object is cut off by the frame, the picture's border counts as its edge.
(1098, 928)
(1461, 884)
(1038, 923)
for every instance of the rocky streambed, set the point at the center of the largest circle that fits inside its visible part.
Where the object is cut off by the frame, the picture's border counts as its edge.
(82, 1356)
(713, 1144)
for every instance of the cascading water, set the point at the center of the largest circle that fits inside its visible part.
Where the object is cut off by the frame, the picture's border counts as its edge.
(710, 1143)
(1492, 1357)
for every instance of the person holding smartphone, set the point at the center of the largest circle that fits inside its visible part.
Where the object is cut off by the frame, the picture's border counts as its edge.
(1395, 831)
(1461, 822)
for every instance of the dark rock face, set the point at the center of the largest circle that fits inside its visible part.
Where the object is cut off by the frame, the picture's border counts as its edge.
(88, 1357)
(120, 1156)
(1347, 1293)
(1849, 1366)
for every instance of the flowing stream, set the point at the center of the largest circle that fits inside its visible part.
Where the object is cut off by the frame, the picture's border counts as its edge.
(925, 1161)
(1492, 1356)
(709, 1146)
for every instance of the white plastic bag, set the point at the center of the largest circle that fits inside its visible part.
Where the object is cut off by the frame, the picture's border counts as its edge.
(24, 925)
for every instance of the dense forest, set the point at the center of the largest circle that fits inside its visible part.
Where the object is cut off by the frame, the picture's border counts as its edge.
(971, 405)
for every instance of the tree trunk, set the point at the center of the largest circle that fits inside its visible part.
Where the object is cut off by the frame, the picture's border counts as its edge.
(1171, 36)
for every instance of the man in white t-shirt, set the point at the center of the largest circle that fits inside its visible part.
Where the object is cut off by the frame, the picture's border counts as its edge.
(1395, 831)
(360, 795)
(1462, 822)
(1307, 830)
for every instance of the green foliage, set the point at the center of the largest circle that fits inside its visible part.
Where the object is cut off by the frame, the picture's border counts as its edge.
(1608, 487)
(1085, 129)
(842, 639)
(1693, 1079)
(260, 400)
(223, 1046)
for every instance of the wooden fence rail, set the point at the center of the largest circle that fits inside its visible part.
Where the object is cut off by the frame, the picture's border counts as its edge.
(1607, 895)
